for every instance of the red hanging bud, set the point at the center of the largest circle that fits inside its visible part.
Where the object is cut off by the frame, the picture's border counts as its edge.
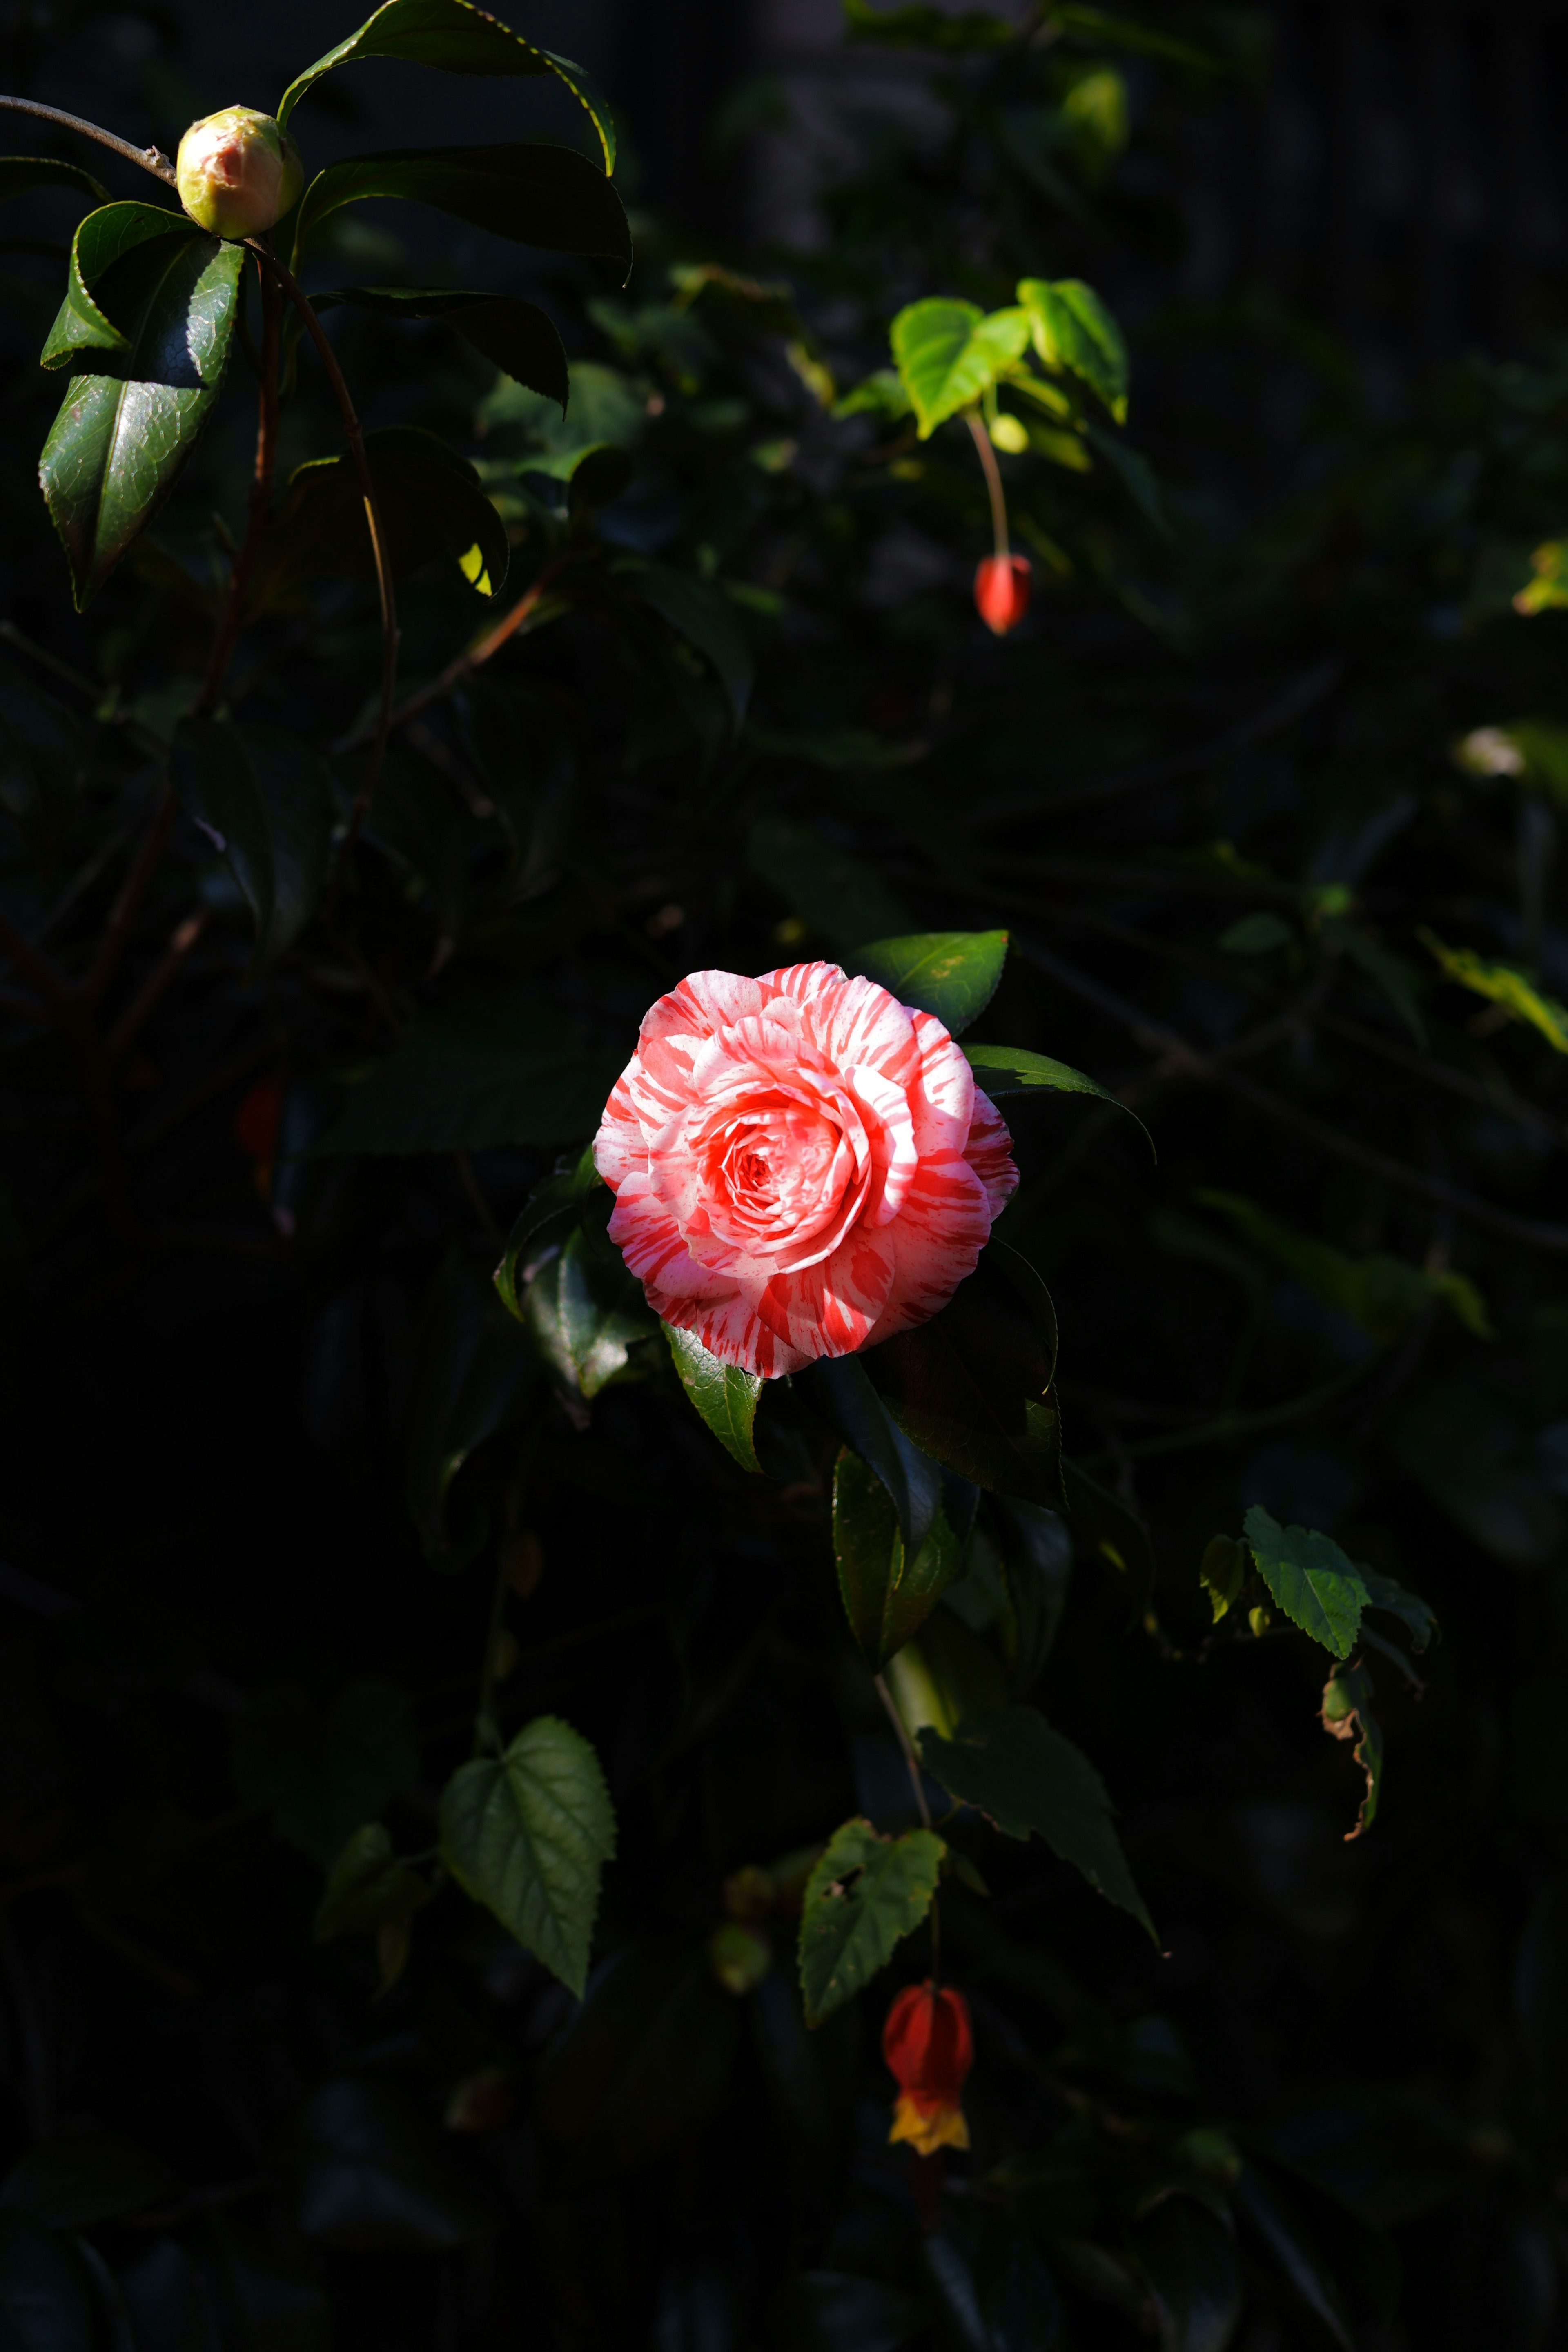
(1001, 591)
(929, 2049)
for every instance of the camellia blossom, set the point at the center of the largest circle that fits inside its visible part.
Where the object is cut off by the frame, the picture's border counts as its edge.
(237, 171)
(802, 1166)
(929, 2049)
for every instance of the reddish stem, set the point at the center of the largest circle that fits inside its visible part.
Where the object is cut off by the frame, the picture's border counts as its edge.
(992, 482)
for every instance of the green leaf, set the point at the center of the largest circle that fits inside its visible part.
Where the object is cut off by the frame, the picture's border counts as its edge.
(1075, 334)
(321, 1770)
(972, 1387)
(1504, 985)
(559, 1198)
(1382, 1592)
(517, 337)
(265, 800)
(912, 1479)
(45, 2296)
(829, 890)
(949, 354)
(1027, 1778)
(888, 1596)
(704, 616)
(1103, 1522)
(953, 975)
(585, 1311)
(1347, 1715)
(1222, 1572)
(131, 417)
(1384, 1295)
(474, 1371)
(103, 238)
(1186, 2254)
(368, 1888)
(921, 26)
(527, 1833)
(476, 1078)
(18, 173)
(724, 1396)
(529, 192)
(431, 505)
(454, 38)
(1310, 1578)
(1007, 1070)
(865, 1895)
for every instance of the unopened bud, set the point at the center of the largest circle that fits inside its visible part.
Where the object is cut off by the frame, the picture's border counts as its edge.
(1002, 592)
(238, 171)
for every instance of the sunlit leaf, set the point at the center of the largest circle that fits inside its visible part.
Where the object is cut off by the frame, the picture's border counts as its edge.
(1310, 1578)
(949, 354)
(1504, 985)
(585, 1311)
(1008, 1070)
(952, 974)
(1074, 332)
(724, 1395)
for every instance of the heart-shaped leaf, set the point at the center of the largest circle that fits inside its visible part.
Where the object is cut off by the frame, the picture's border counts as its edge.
(454, 38)
(725, 1396)
(527, 1833)
(865, 1895)
(953, 975)
(529, 192)
(518, 337)
(431, 504)
(950, 353)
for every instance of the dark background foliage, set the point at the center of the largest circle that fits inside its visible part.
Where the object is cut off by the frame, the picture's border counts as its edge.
(273, 1455)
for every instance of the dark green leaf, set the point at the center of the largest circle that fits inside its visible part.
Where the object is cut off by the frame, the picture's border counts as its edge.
(922, 27)
(532, 192)
(46, 2294)
(549, 1205)
(519, 336)
(475, 1369)
(527, 1833)
(1026, 1777)
(704, 616)
(1187, 2257)
(1073, 331)
(1347, 1715)
(1310, 1578)
(126, 427)
(506, 1072)
(1139, 478)
(1004, 1070)
(585, 1311)
(1103, 1523)
(839, 2311)
(972, 1387)
(83, 2179)
(454, 38)
(913, 1481)
(18, 173)
(825, 885)
(431, 504)
(368, 1888)
(887, 1595)
(953, 975)
(42, 764)
(1275, 2221)
(1221, 1571)
(320, 1770)
(375, 2179)
(865, 1895)
(84, 324)
(265, 800)
(1382, 1592)
(725, 1396)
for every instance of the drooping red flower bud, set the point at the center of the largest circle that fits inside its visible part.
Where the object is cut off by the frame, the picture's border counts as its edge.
(1002, 585)
(929, 2048)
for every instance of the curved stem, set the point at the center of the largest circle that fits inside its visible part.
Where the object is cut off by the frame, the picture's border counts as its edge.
(329, 359)
(992, 482)
(150, 159)
(478, 653)
(260, 498)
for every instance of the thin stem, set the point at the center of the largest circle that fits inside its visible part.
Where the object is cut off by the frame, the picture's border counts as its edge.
(992, 482)
(912, 1766)
(479, 652)
(329, 359)
(244, 563)
(150, 159)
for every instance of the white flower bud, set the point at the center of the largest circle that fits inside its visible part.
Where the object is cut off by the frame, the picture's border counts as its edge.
(238, 172)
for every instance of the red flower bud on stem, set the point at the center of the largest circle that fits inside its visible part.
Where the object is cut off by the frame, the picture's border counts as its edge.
(1001, 591)
(929, 2048)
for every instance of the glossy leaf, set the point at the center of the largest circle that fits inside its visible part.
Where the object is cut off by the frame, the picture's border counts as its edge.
(549, 1207)
(453, 38)
(1026, 1778)
(103, 238)
(949, 354)
(320, 1769)
(368, 1888)
(534, 193)
(705, 617)
(912, 1479)
(887, 1595)
(1347, 1715)
(1006, 1071)
(953, 975)
(129, 421)
(1072, 330)
(264, 799)
(518, 337)
(865, 1895)
(725, 1397)
(431, 504)
(1310, 1578)
(1108, 1527)
(830, 890)
(474, 1079)
(972, 1387)
(527, 1833)
(20, 173)
(1187, 2256)
(585, 1311)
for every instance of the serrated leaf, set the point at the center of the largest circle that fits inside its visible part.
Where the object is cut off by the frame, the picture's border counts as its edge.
(584, 1312)
(865, 1895)
(950, 353)
(431, 505)
(724, 1396)
(476, 1078)
(1072, 330)
(527, 1833)
(517, 337)
(953, 975)
(454, 38)
(1008, 1070)
(551, 1205)
(532, 192)
(1347, 1715)
(18, 173)
(886, 1595)
(368, 1888)
(1310, 1578)
(151, 369)
(705, 617)
(1382, 1592)
(1027, 1778)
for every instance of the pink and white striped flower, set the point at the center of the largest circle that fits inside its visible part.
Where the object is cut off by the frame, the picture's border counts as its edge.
(802, 1166)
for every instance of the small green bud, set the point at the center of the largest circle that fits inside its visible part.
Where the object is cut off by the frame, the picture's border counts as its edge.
(238, 171)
